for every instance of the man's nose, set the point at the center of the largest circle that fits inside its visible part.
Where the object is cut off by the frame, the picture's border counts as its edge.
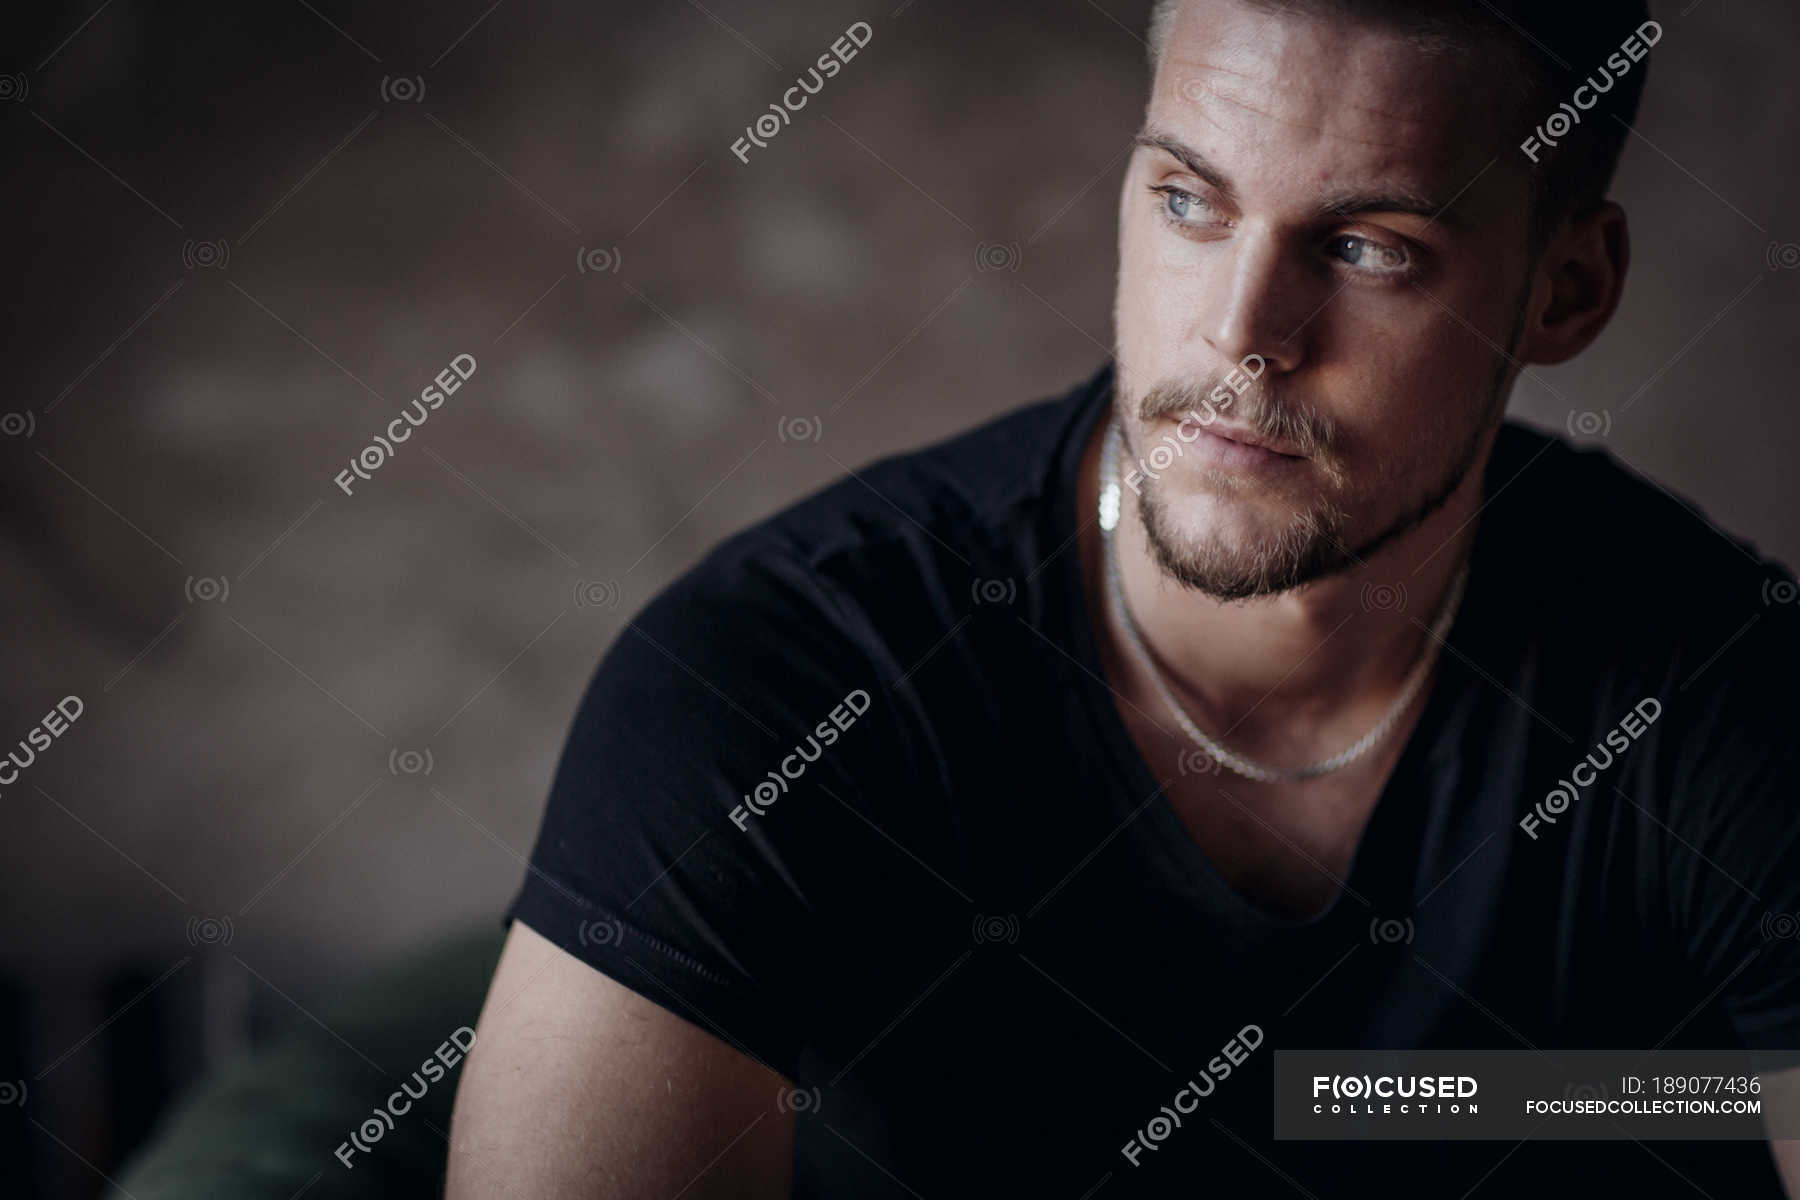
(1257, 295)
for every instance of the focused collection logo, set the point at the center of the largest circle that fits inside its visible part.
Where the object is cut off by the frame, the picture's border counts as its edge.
(1394, 1095)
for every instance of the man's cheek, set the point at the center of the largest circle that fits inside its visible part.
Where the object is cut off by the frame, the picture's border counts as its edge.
(1137, 253)
(1144, 317)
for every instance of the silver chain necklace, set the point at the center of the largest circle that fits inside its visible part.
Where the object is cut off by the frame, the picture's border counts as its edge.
(1109, 519)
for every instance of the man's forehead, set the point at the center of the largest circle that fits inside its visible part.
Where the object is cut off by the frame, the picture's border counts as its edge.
(1340, 93)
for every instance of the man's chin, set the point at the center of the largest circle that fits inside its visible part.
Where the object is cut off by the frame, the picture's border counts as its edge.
(1233, 514)
(1234, 547)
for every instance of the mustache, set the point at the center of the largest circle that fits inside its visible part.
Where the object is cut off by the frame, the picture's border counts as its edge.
(1251, 403)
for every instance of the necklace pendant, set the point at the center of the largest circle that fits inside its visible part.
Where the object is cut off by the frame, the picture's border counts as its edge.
(1109, 478)
(1109, 507)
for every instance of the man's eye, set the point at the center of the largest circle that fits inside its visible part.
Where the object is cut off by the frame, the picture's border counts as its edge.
(1372, 257)
(1182, 207)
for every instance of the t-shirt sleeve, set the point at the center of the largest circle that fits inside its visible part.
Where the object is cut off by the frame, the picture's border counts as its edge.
(676, 854)
(1735, 853)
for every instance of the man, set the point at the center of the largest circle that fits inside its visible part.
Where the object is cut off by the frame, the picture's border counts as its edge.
(985, 824)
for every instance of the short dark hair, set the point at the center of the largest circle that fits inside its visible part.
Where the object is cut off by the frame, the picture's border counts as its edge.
(1558, 46)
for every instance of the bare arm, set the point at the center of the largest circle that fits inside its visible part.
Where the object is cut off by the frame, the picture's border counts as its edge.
(577, 1086)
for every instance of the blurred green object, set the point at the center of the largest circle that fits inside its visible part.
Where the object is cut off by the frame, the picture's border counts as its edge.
(272, 1126)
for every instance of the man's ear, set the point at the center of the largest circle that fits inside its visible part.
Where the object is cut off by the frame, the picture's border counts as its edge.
(1578, 281)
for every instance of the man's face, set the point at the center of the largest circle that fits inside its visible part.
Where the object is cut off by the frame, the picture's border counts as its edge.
(1293, 221)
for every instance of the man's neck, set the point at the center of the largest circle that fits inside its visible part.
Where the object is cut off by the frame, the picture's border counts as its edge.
(1321, 657)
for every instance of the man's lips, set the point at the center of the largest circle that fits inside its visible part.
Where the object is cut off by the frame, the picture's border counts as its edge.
(1251, 439)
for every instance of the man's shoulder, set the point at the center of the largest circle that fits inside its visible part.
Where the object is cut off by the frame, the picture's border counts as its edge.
(951, 491)
(1584, 513)
(961, 497)
(843, 589)
(888, 532)
(1606, 561)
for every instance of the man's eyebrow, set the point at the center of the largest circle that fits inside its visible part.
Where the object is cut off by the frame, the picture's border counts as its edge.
(1343, 204)
(1192, 159)
(1350, 204)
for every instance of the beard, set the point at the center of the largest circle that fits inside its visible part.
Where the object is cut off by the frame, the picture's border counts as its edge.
(1314, 540)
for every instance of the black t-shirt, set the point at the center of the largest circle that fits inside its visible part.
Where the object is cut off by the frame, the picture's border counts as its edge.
(853, 795)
